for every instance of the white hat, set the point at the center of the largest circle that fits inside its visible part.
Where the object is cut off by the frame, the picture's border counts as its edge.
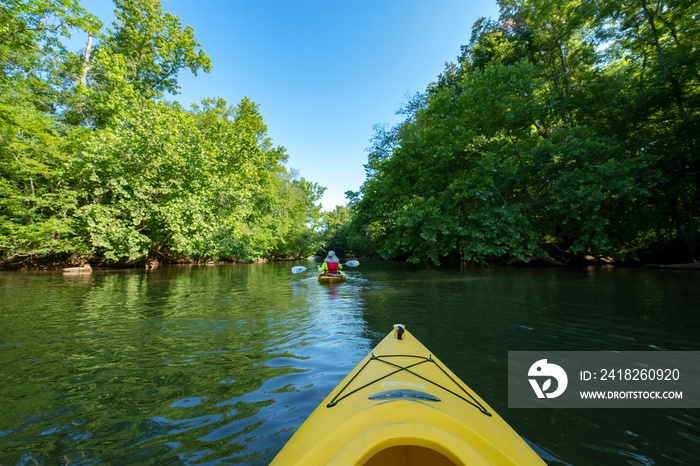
(331, 257)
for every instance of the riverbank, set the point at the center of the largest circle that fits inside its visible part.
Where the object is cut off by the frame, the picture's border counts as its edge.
(77, 262)
(53, 263)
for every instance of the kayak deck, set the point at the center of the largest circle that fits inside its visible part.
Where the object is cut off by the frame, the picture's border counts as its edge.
(331, 278)
(402, 406)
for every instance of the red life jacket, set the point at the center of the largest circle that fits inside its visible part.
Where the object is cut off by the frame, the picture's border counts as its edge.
(332, 267)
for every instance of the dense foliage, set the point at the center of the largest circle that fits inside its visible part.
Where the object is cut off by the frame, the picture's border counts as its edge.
(338, 233)
(95, 163)
(566, 126)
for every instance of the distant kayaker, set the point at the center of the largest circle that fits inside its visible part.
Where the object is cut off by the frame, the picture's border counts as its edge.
(331, 264)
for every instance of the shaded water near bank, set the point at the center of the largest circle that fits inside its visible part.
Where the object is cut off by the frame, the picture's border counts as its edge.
(220, 365)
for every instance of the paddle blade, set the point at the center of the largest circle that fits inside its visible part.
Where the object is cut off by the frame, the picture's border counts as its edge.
(352, 263)
(298, 269)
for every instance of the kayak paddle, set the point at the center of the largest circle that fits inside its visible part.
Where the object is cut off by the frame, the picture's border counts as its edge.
(301, 268)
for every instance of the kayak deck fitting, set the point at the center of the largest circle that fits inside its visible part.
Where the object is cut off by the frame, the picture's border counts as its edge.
(402, 406)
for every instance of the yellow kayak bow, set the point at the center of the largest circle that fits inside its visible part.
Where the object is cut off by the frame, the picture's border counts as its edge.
(402, 406)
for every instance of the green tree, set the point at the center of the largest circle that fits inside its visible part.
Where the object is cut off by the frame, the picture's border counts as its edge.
(95, 163)
(35, 202)
(154, 46)
(140, 57)
(175, 183)
(563, 128)
(337, 233)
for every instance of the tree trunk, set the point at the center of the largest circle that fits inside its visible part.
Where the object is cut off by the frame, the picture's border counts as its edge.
(86, 61)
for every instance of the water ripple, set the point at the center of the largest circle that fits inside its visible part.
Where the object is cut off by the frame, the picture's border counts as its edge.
(220, 365)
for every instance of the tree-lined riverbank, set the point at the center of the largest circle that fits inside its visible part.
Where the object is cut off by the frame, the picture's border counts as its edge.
(565, 128)
(96, 165)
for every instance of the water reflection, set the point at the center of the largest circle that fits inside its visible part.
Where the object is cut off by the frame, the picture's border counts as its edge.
(222, 364)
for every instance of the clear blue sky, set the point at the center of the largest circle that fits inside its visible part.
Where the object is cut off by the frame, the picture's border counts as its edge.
(322, 72)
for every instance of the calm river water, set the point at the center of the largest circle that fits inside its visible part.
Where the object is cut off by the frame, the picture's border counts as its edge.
(220, 365)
